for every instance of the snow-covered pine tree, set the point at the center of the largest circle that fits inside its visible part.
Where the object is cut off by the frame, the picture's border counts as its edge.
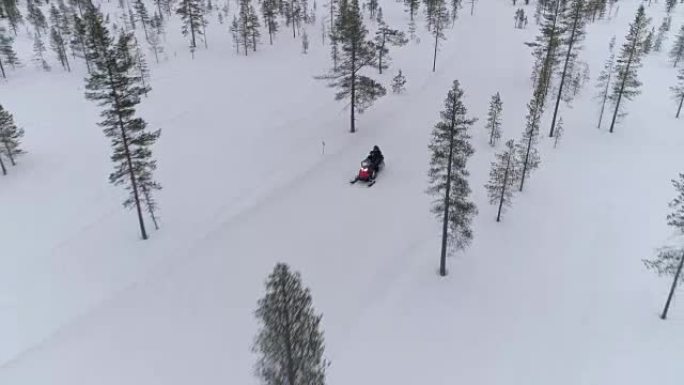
(269, 10)
(248, 26)
(604, 79)
(294, 12)
(236, 34)
(253, 27)
(526, 148)
(59, 46)
(627, 83)
(398, 83)
(670, 260)
(503, 177)
(678, 91)
(546, 46)
(10, 138)
(559, 132)
(677, 50)
(373, 8)
(670, 5)
(190, 12)
(290, 341)
(39, 53)
(155, 45)
(78, 41)
(661, 35)
(355, 53)
(649, 41)
(114, 85)
(35, 16)
(305, 43)
(572, 26)
(384, 37)
(142, 15)
(450, 149)
(12, 14)
(437, 19)
(412, 7)
(161, 6)
(7, 53)
(493, 125)
(141, 68)
(60, 20)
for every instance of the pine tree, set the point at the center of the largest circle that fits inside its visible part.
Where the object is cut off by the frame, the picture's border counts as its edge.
(660, 37)
(78, 41)
(604, 79)
(503, 177)
(678, 91)
(649, 41)
(450, 149)
(356, 52)
(155, 45)
(253, 27)
(248, 26)
(114, 85)
(398, 83)
(35, 16)
(141, 68)
(39, 53)
(190, 12)
(493, 125)
(572, 25)
(7, 53)
(384, 37)
(235, 32)
(142, 15)
(305, 43)
(628, 63)
(290, 342)
(559, 132)
(10, 138)
(373, 8)
(59, 46)
(678, 48)
(670, 260)
(60, 21)
(669, 5)
(526, 148)
(546, 46)
(437, 20)
(269, 10)
(12, 13)
(412, 7)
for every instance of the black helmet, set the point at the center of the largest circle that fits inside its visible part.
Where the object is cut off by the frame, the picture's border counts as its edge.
(376, 148)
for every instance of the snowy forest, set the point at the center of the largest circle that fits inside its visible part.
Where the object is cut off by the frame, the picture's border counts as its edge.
(189, 193)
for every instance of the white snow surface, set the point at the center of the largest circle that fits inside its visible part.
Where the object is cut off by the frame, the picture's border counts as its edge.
(554, 294)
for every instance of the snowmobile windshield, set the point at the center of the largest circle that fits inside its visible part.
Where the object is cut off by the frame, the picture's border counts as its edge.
(366, 163)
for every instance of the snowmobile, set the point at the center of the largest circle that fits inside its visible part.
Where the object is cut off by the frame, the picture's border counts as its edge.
(369, 170)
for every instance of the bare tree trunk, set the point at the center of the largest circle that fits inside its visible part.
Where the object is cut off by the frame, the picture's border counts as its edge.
(434, 58)
(2, 166)
(605, 94)
(672, 289)
(568, 54)
(681, 101)
(622, 86)
(503, 187)
(447, 198)
(9, 153)
(353, 88)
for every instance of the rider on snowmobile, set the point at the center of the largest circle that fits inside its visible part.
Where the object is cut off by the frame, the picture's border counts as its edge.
(375, 157)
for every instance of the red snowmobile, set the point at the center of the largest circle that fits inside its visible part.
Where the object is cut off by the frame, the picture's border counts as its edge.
(370, 167)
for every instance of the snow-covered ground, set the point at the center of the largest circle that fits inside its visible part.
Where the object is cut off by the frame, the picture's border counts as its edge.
(554, 294)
